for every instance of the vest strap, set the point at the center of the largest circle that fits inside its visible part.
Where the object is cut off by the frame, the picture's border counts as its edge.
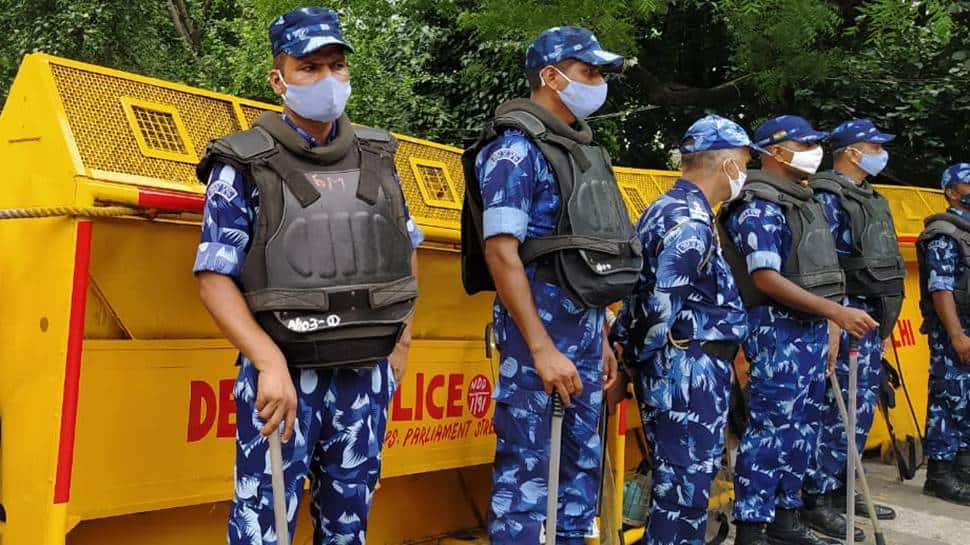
(368, 187)
(316, 300)
(393, 292)
(537, 247)
(294, 179)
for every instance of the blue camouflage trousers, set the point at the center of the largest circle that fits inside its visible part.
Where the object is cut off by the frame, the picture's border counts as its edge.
(522, 424)
(787, 360)
(948, 412)
(826, 471)
(686, 438)
(337, 438)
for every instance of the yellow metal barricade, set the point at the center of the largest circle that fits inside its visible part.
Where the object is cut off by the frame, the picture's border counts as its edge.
(116, 386)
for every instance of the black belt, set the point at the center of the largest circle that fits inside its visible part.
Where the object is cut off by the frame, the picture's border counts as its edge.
(722, 350)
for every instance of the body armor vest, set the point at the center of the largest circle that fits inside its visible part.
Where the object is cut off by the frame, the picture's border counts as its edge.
(328, 270)
(874, 269)
(812, 263)
(593, 254)
(958, 229)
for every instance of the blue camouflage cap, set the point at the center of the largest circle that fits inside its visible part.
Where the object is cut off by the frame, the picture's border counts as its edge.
(569, 42)
(714, 132)
(787, 127)
(305, 30)
(956, 174)
(857, 130)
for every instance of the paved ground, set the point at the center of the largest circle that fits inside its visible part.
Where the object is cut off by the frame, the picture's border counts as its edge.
(922, 520)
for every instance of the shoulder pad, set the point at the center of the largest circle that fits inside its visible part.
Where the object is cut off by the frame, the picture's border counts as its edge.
(524, 121)
(696, 210)
(376, 136)
(236, 149)
(246, 145)
(825, 183)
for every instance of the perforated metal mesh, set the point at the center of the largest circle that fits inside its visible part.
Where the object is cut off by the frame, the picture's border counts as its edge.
(251, 114)
(434, 182)
(92, 102)
(649, 185)
(421, 210)
(159, 130)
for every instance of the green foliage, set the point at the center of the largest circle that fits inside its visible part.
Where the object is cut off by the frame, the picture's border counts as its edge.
(437, 68)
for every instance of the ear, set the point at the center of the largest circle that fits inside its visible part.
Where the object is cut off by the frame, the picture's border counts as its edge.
(275, 79)
(552, 78)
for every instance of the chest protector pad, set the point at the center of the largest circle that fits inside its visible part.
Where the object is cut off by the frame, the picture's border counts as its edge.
(958, 229)
(593, 254)
(812, 263)
(328, 271)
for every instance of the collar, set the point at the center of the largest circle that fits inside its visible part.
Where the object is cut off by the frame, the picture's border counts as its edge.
(307, 136)
(857, 184)
(959, 212)
(694, 194)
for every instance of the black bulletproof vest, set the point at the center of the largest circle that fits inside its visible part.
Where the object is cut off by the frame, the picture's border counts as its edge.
(328, 271)
(812, 263)
(874, 269)
(958, 229)
(593, 253)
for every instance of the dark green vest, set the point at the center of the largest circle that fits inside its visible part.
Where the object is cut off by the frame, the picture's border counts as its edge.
(812, 263)
(958, 229)
(328, 271)
(874, 269)
(593, 254)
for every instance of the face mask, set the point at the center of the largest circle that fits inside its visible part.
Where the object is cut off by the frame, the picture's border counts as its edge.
(965, 200)
(582, 99)
(736, 183)
(874, 163)
(323, 100)
(806, 161)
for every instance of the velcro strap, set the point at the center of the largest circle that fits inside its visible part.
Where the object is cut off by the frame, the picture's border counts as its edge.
(397, 291)
(533, 248)
(368, 187)
(861, 263)
(288, 299)
(295, 180)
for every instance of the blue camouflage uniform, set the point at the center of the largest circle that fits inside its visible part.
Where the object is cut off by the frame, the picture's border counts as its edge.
(341, 414)
(786, 356)
(948, 412)
(685, 296)
(826, 471)
(521, 198)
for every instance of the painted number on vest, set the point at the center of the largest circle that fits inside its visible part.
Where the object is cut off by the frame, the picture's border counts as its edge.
(326, 182)
(303, 325)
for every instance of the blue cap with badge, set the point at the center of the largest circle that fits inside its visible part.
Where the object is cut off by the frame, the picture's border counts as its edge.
(956, 174)
(714, 132)
(787, 127)
(305, 30)
(857, 130)
(569, 42)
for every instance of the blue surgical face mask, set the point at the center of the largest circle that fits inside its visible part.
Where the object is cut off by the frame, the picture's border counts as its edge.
(582, 99)
(873, 163)
(323, 100)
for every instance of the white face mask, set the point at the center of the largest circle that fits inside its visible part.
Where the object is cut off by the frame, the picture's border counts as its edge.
(737, 182)
(806, 161)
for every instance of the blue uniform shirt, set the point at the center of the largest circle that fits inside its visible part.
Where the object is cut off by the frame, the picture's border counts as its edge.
(229, 217)
(944, 260)
(686, 289)
(839, 221)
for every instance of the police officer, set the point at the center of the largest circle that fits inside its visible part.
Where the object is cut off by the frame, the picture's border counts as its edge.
(943, 250)
(865, 240)
(680, 330)
(527, 181)
(783, 258)
(317, 359)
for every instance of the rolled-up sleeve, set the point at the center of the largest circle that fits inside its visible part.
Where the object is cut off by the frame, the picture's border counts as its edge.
(505, 169)
(756, 228)
(942, 259)
(227, 224)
